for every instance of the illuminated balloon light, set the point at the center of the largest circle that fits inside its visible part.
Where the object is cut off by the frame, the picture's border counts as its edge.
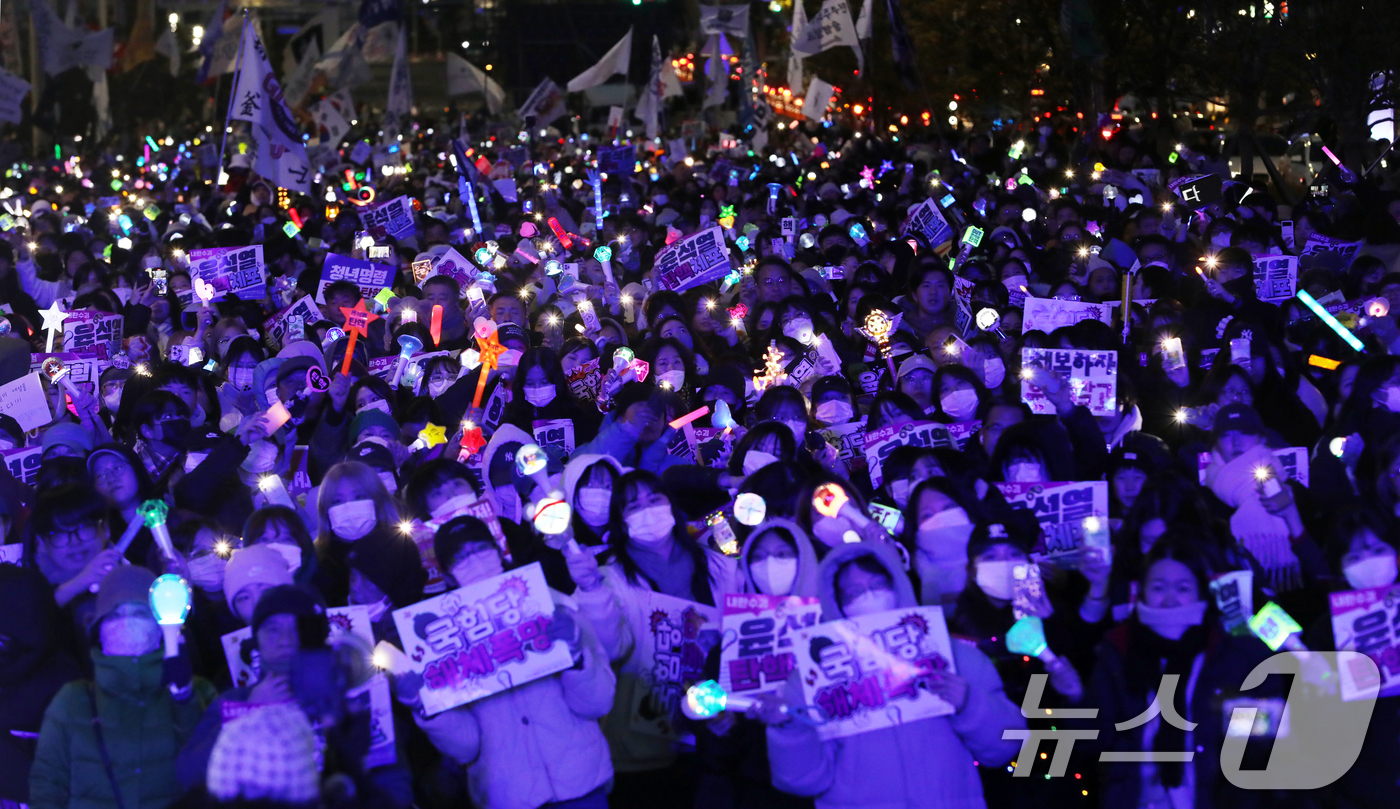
(706, 700)
(1027, 637)
(750, 509)
(170, 599)
(530, 459)
(1378, 307)
(553, 517)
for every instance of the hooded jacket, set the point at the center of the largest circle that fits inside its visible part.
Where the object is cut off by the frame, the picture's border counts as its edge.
(574, 471)
(928, 763)
(806, 583)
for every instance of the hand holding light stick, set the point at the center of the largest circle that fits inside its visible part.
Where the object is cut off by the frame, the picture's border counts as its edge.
(357, 322)
(170, 602)
(708, 699)
(490, 350)
(57, 372)
(830, 500)
(408, 346)
(436, 325)
(689, 417)
(604, 256)
(129, 535)
(154, 513)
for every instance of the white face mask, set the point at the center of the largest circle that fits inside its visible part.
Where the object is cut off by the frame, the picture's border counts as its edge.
(436, 387)
(129, 636)
(948, 518)
(207, 573)
(676, 379)
(378, 404)
(755, 460)
(241, 377)
(774, 576)
(593, 504)
(834, 412)
(899, 490)
(960, 405)
(799, 430)
(1025, 473)
(453, 507)
(1392, 398)
(477, 567)
(651, 526)
(995, 579)
(539, 395)
(262, 456)
(290, 553)
(870, 602)
(353, 520)
(1014, 283)
(993, 372)
(1171, 622)
(1373, 571)
(112, 401)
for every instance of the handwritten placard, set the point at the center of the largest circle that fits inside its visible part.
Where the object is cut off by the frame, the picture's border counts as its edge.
(1091, 375)
(24, 401)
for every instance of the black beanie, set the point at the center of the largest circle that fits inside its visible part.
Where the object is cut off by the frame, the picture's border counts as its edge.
(294, 599)
(393, 563)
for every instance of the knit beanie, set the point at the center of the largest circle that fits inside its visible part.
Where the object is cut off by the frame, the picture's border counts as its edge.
(267, 754)
(255, 564)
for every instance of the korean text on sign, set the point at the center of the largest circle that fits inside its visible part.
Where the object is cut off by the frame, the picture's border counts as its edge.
(671, 648)
(881, 442)
(757, 653)
(393, 218)
(369, 277)
(1061, 509)
(1365, 621)
(231, 271)
(692, 261)
(482, 639)
(1091, 375)
(856, 670)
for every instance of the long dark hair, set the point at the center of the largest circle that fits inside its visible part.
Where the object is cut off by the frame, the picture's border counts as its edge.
(626, 490)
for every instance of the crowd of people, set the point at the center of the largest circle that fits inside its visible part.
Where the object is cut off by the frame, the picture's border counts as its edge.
(324, 439)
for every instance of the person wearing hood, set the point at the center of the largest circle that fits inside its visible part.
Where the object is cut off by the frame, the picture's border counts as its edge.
(386, 574)
(635, 432)
(33, 667)
(1173, 631)
(538, 744)
(111, 742)
(589, 481)
(1226, 289)
(777, 559)
(931, 762)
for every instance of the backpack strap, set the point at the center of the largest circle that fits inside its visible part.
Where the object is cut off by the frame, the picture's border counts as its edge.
(102, 744)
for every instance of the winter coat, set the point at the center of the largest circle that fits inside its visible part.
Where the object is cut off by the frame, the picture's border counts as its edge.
(927, 763)
(536, 743)
(619, 439)
(143, 727)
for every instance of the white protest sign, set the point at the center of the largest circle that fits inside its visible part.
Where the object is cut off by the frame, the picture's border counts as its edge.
(1275, 278)
(671, 651)
(928, 222)
(291, 323)
(697, 259)
(875, 671)
(1368, 621)
(393, 218)
(818, 98)
(231, 271)
(482, 639)
(756, 654)
(1327, 253)
(881, 442)
(23, 400)
(1048, 314)
(1091, 375)
(1061, 509)
(368, 276)
(23, 463)
(558, 433)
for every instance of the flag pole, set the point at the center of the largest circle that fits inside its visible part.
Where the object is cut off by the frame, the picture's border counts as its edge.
(232, 93)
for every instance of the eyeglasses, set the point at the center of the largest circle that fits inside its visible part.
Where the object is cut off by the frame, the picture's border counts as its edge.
(80, 535)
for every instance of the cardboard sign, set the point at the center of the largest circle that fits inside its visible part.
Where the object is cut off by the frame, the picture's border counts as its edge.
(1092, 376)
(243, 667)
(585, 380)
(1198, 191)
(24, 401)
(692, 261)
(927, 221)
(873, 672)
(392, 218)
(1061, 509)
(756, 654)
(283, 327)
(671, 650)
(1327, 253)
(84, 372)
(453, 265)
(1368, 621)
(368, 276)
(482, 639)
(23, 463)
(557, 433)
(89, 328)
(235, 271)
(1048, 314)
(617, 161)
(1275, 278)
(849, 440)
(880, 443)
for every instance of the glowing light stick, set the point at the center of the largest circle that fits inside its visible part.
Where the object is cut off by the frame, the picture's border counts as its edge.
(560, 233)
(129, 535)
(1378, 307)
(1027, 637)
(689, 417)
(1277, 628)
(53, 322)
(596, 179)
(490, 351)
(750, 509)
(170, 602)
(604, 256)
(773, 372)
(722, 416)
(58, 373)
(707, 700)
(436, 325)
(153, 512)
(333, 334)
(1322, 314)
(878, 327)
(467, 191)
(857, 232)
(553, 267)
(408, 346)
(989, 320)
(773, 190)
(830, 500)
(357, 322)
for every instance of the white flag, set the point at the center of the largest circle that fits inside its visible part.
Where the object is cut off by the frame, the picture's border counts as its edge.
(464, 77)
(716, 51)
(331, 119)
(546, 102)
(799, 22)
(300, 79)
(733, 20)
(62, 47)
(818, 97)
(168, 47)
(831, 28)
(863, 21)
(13, 89)
(257, 99)
(101, 101)
(344, 61)
(648, 109)
(400, 105)
(224, 54)
(613, 62)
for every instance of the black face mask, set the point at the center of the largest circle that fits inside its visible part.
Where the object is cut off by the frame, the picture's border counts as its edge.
(1242, 287)
(173, 432)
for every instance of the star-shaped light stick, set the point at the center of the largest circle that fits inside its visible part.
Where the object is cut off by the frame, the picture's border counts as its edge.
(878, 327)
(357, 322)
(53, 322)
(490, 348)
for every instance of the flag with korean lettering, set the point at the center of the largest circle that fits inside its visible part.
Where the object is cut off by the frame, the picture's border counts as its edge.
(1091, 375)
(482, 639)
(756, 651)
(392, 218)
(368, 276)
(1066, 512)
(237, 271)
(257, 99)
(1368, 621)
(698, 259)
(673, 641)
(91, 329)
(874, 671)
(926, 221)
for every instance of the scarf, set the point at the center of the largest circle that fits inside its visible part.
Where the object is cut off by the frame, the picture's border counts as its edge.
(1148, 657)
(1263, 534)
